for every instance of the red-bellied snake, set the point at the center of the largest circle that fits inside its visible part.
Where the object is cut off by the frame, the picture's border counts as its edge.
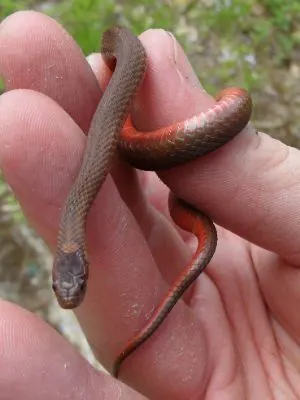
(111, 130)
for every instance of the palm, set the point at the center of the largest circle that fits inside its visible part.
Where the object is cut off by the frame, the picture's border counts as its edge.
(251, 322)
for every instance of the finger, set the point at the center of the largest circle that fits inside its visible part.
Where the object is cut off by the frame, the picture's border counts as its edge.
(169, 76)
(36, 139)
(36, 362)
(250, 185)
(42, 56)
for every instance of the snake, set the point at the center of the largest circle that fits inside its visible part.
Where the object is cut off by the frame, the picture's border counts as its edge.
(112, 131)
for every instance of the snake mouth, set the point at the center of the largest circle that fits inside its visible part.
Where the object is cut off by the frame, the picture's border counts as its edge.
(69, 298)
(69, 302)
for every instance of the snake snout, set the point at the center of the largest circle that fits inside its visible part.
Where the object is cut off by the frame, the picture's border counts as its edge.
(70, 274)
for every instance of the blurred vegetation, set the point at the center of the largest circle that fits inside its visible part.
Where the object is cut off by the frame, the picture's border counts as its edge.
(228, 41)
(251, 43)
(242, 34)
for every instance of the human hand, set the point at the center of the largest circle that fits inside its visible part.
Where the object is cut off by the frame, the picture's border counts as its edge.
(235, 335)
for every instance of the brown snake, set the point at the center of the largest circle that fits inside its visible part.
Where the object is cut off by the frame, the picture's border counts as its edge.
(111, 130)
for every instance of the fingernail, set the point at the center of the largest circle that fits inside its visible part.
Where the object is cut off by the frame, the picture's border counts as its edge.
(182, 64)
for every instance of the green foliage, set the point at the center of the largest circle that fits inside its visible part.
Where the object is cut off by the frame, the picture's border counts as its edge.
(85, 20)
(244, 36)
(8, 7)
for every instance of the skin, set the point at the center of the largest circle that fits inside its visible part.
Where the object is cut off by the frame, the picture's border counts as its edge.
(236, 334)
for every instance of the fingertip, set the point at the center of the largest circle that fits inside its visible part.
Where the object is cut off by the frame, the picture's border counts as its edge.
(42, 56)
(171, 90)
(169, 54)
(100, 69)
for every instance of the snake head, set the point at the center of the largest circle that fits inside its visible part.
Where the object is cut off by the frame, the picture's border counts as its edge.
(70, 274)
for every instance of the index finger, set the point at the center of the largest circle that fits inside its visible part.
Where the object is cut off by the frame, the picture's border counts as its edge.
(249, 186)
